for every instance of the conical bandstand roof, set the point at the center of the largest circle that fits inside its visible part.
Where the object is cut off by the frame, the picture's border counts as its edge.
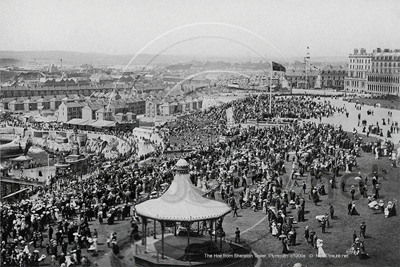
(182, 201)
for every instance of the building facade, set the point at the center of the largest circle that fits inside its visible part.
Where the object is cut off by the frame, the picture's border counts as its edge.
(301, 79)
(384, 76)
(360, 63)
(333, 77)
(69, 111)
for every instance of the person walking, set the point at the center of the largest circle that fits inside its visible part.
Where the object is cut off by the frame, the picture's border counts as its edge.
(343, 185)
(294, 236)
(306, 234)
(315, 240)
(333, 182)
(331, 210)
(304, 187)
(312, 234)
(323, 224)
(235, 209)
(377, 191)
(352, 192)
(363, 227)
(237, 235)
(50, 233)
(349, 206)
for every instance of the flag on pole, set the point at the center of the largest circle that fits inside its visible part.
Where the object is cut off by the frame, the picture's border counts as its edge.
(278, 67)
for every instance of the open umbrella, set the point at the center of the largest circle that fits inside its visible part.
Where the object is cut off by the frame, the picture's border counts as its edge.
(282, 236)
(358, 178)
(372, 204)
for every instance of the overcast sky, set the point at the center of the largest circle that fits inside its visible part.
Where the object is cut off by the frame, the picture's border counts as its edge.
(201, 27)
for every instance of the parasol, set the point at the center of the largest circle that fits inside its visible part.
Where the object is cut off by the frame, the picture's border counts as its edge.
(358, 178)
(282, 236)
(372, 204)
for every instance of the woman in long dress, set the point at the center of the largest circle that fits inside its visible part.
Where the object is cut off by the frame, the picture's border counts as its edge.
(285, 249)
(353, 210)
(321, 252)
(362, 254)
(274, 229)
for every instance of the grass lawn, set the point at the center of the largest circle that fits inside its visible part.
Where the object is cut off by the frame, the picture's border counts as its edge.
(381, 241)
(381, 235)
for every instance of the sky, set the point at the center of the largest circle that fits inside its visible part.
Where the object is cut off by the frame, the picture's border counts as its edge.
(248, 28)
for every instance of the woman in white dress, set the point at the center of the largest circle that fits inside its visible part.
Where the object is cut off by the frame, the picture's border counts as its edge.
(321, 252)
(274, 229)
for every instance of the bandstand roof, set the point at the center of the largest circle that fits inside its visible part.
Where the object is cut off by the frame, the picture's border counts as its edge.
(182, 201)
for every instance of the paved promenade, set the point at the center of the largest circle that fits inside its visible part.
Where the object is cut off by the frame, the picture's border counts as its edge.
(352, 121)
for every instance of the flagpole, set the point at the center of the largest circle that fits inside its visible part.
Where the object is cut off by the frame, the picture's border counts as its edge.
(270, 90)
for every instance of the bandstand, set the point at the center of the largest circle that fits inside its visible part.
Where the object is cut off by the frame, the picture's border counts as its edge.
(183, 209)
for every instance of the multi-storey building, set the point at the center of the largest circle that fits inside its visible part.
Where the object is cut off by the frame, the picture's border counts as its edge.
(68, 111)
(359, 66)
(333, 77)
(301, 79)
(384, 76)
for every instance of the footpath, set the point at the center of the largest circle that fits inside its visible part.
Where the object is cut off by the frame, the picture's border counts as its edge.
(351, 122)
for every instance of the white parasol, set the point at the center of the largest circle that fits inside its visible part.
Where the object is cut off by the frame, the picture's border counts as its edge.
(372, 204)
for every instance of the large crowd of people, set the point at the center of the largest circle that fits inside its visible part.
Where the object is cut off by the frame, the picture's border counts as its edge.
(243, 168)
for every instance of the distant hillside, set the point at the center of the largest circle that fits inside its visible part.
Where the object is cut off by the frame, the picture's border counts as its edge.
(9, 62)
(78, 58)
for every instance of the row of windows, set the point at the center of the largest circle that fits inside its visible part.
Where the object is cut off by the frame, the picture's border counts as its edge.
(360, 60)
(387, 57)
(384, 79)
(384, 64)
(360, 67)
(357, 74)
(389, 71)
(385, 89)
(355, 84)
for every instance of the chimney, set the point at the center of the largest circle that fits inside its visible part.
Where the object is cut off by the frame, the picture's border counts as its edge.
(363, 51)
(355, 51)
(61, 63)
(378, 50)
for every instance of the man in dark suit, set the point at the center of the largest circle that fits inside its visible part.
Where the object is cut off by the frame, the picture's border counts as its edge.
(331, 210)
(50, 232)
(349, 206)
(363, 227)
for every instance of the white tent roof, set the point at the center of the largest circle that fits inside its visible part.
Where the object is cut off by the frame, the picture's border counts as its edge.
(22, 158)
(182, 201)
